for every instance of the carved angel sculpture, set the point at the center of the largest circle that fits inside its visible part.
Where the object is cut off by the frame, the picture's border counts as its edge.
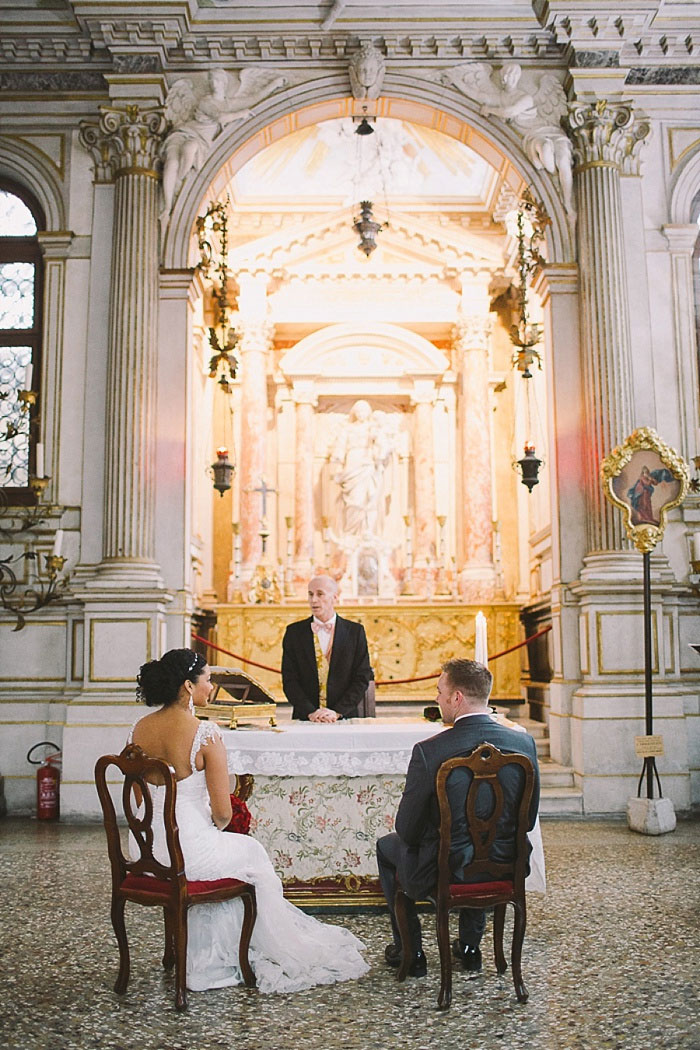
(198, 110)
(535, 113)
(366, 69)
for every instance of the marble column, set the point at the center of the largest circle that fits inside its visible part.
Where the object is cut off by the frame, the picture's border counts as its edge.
(477, 579)
(607, 139)
(423, 399)
(252, 349)
(124, 145)
(305, 401)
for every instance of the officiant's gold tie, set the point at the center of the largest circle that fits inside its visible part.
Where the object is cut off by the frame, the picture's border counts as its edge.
(322, 666)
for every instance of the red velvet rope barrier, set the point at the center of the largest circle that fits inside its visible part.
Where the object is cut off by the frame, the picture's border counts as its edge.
(389, 681)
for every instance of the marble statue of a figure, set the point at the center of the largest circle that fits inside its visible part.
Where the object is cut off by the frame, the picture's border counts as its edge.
(534, 111)
(358, 460)
(198, 111)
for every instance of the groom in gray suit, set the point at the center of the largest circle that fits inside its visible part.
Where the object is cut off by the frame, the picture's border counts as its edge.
(410, 853)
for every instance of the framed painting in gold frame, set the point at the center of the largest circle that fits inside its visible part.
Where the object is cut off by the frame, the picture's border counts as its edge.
(645, 478)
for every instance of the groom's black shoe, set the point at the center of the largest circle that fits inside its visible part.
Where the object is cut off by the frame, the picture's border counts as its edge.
(419, 964)
(469, 956)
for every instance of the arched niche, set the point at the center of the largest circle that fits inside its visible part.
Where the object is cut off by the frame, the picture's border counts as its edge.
(20, 162)
(421, 102)
(381, 353)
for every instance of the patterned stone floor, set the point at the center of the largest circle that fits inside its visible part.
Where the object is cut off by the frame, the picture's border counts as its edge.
(611, 961)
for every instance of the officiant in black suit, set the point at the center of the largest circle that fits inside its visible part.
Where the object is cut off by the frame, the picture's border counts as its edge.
(325, 660)
(410, 853)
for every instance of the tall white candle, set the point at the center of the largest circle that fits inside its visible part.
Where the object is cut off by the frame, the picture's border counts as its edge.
(696, 546)
(40, 461)
(28, 376)
(57, 543)
(481, 649)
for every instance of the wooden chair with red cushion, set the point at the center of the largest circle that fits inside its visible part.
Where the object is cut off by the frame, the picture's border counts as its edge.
(486, 884)
(146, 880)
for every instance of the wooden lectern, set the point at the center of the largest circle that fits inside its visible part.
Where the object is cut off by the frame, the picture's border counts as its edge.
(246, 698)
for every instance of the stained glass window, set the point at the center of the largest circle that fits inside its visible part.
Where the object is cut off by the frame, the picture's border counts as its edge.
(20, 339)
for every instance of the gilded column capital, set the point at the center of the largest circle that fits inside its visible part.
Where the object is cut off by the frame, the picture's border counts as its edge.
(471, 332)
(124, 141)
(606, 134)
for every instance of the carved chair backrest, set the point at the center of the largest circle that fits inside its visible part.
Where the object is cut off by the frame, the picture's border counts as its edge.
(139, 772)
(485, 766)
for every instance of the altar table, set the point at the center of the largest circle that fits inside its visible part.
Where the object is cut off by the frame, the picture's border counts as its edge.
(324, 793)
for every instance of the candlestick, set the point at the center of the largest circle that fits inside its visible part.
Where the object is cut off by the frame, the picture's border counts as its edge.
(288, 572)
(28, 372)
(40, 461)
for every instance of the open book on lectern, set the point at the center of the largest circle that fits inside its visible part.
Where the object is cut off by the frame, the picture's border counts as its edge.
(240, 686)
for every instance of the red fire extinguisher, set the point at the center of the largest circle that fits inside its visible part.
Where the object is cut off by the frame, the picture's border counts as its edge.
(48, 778)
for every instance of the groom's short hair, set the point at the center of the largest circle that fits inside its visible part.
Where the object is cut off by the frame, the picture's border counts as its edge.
(473, 680)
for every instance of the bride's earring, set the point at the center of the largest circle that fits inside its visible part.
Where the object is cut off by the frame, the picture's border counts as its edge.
(190, 705)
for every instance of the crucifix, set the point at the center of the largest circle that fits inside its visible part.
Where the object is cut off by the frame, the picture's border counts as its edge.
(263, 488)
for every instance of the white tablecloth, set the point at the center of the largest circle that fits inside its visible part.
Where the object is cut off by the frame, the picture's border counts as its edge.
(352, 748)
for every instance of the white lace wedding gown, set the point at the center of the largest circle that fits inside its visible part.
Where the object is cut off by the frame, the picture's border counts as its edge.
(289, 950)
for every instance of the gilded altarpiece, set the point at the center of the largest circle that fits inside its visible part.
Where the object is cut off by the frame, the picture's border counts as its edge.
(404, 642)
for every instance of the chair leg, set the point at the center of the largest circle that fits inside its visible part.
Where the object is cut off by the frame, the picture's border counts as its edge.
(442, 923)
(404, 932)
(519, 925)
(179, 924)
(118, 905)
(249, 916)
(499, 917)
(169, 953)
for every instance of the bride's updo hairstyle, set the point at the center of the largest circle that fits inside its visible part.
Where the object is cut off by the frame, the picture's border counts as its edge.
(159, 681)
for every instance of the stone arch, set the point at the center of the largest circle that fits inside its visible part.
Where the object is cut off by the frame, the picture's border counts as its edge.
(397, 353)
(683, 206)
(23, 163)
(420, 102)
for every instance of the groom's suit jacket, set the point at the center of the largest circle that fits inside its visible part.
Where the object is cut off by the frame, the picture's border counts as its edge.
(349, 672)
(418, 817)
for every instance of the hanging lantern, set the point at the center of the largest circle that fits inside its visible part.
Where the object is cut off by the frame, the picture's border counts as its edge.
(222, 470)
(529, 467)
(367, 227)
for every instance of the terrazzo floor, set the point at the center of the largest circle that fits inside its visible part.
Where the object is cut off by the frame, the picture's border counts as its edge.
(610, 961)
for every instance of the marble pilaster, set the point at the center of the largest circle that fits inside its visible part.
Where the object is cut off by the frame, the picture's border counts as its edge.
(470, 340)
(423, 400)
(125, 145)
(55, 248)
(252, 349)
(681, 239)
(607, 137)
(305, 402)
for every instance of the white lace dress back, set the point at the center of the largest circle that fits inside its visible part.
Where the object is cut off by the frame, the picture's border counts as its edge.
(289, 950)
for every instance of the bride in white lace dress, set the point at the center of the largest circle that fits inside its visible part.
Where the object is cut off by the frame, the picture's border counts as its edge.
(289, 950)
